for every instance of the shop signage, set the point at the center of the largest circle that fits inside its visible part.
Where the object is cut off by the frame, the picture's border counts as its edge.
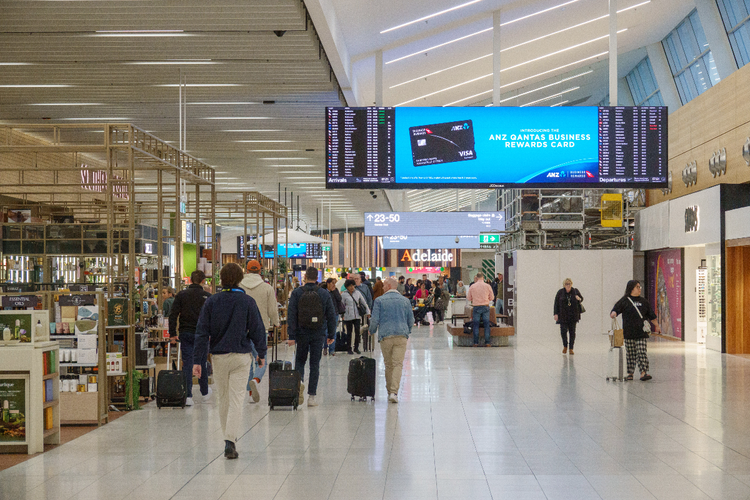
(425, 270)
(117, 311)
(96, 180)
(77, 300)
(692, 219)
(13, 409)
(82, 288)
(20, 300)
(427, 255)
(148, 248)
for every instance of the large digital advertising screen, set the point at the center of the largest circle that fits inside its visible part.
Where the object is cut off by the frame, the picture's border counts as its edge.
(496, 147)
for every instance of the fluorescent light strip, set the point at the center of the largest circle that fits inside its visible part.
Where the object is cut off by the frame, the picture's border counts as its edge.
(511, 47)
(164, 63)
(288, 166)
(439, 71)
(559, 104)
(537, 75)
(97, 119)
(300, 172)
(445, 89)
(263, 141)
(550, 97)
(199, 85)
(431, 16)
(525, 93)
(140, 31)
(284, 159)
(238, 118)
(51, 86)
(439, 45)
(480, 32)
(15, 64)
(67, 104)
(274, 150)
(221, 103)
(254, 130)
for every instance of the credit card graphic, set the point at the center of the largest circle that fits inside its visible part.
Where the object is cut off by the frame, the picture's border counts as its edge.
(442, 143)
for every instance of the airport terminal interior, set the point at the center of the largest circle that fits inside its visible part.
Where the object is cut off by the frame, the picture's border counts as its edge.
(523, 227)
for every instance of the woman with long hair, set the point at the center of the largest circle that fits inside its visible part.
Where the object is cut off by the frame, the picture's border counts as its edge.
(636, 324)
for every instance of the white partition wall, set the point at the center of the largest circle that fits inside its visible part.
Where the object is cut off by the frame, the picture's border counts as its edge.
(600, 275)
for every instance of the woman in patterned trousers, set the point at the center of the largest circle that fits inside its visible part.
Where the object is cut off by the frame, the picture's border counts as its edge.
(637, 315)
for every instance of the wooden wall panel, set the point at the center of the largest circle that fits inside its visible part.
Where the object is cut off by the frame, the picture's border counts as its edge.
(719, 118)
(738, 300)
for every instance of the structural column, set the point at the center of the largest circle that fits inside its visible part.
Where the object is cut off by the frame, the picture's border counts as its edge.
(663, 75)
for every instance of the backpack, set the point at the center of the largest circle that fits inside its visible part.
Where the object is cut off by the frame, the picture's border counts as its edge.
(310, 310)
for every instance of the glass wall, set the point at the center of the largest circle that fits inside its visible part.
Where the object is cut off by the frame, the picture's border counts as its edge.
(690, 59)
(643, 87)
(736, 17)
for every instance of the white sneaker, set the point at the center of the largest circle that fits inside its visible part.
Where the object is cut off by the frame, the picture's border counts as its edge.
(311, 401)
(189, 402)
(392, 398)
(254, 388)
(207, 397)
(301, 393)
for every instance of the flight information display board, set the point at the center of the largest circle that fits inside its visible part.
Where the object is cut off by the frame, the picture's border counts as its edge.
(432, 223)
(496, 147)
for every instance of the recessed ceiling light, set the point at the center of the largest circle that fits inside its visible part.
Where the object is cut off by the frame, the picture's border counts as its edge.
(66, 104)
(96, 119)
(286, 158)
(15, 64)
(172, 62)
(431, 16)
(140, 33)
(440, 71)
(255, 130)
(274, 150)
(265, 141)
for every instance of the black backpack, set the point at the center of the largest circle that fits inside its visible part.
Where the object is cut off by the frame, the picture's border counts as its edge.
(310, 310)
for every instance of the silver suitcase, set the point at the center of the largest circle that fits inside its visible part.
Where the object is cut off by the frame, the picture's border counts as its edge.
(614, 364)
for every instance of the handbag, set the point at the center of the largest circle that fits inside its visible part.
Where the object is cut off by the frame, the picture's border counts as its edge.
(582, 309)
(646, 323)
(361, 308)
(616, 337)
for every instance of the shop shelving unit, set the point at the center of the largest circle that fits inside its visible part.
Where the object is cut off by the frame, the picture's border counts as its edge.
(111, 179)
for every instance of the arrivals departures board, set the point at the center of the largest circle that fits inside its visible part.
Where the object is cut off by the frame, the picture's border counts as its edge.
(496, 147)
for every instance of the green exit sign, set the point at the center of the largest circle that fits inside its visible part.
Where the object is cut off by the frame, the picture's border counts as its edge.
(489, 238)
(326, 248)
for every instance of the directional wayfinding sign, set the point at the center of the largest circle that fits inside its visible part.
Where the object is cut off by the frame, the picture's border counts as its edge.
(487, 238)
(432, 223)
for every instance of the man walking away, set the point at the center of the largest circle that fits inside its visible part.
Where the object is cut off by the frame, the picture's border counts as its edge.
(392, 318)
(311, 318)
(230, 324)
(480, 295)
(265, 299)
(186, 308)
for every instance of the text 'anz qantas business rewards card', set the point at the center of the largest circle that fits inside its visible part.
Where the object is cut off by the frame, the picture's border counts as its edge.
(442, 143)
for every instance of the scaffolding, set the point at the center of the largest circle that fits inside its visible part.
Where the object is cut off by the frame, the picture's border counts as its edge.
(92, 188)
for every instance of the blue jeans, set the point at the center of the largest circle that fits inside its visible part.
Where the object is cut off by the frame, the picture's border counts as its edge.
(187, 345)
(253, 365)
(483, 313)
(312, 343)
(332, 347)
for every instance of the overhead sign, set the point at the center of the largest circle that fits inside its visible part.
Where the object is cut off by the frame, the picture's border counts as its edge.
(488, 238)
(432, 223)
(404, 241)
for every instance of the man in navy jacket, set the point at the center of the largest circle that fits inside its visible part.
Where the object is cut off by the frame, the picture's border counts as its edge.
(310, 339)
(230, 323)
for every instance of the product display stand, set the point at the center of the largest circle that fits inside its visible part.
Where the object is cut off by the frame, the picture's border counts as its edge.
(36, 365)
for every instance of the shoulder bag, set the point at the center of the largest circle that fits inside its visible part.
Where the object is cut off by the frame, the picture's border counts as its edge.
(646, 323)
(361, 308)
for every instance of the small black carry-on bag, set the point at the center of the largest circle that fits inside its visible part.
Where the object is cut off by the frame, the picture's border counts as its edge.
(343, 343)
(361, 379)
(170, 384)
(283, 381)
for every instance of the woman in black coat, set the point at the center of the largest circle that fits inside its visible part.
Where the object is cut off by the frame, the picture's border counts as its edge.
(568, 313)
(636, 315)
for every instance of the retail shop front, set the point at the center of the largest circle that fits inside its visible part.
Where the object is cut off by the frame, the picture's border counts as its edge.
(685, 241)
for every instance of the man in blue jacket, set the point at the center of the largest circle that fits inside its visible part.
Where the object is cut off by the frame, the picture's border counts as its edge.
(230, 323)
(311, 318)
(392, 318)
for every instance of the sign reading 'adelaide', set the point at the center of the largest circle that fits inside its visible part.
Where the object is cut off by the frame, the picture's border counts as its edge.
(427, 255)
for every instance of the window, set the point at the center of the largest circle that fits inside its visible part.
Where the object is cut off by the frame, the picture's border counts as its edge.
(736, 17)
(642, 83)
(604, 101)
(690, 59)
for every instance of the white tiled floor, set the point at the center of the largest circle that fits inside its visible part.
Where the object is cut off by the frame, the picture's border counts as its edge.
(521, 422)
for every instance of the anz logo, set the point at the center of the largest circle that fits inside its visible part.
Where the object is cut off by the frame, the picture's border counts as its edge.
(692, 219)
(556, 175)
(465, 126)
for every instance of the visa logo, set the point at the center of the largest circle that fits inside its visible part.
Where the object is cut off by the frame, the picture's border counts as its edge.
(464, 154)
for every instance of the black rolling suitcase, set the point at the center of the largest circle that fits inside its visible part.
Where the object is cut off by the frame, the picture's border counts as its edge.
(361, 379)
(283, 382)
(343, 343)
(170, 384)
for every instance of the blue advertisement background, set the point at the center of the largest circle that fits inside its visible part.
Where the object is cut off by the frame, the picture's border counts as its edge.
(496, 163)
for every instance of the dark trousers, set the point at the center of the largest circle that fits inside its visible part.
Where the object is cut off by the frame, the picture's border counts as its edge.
(481, 313)
(187, 345)
(568, 329)
(353, 323)
(437, 314)
(312, 344)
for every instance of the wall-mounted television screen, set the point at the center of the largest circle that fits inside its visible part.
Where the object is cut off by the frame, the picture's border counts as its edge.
(496, 147)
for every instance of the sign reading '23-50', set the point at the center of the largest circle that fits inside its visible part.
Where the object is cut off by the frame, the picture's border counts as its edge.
(432, 223)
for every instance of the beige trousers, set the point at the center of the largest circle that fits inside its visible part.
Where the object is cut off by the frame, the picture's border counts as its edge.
(230, 377)
(394, 350)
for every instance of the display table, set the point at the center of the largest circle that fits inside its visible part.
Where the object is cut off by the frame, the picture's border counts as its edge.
(30, 383)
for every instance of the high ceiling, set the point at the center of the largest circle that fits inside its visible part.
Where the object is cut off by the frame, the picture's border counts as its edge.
(258, 73)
